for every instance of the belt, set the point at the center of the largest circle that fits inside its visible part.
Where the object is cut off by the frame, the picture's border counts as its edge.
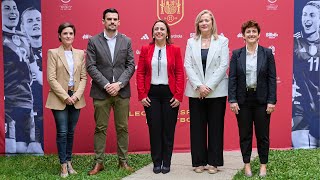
(251, 89)
(70, 88)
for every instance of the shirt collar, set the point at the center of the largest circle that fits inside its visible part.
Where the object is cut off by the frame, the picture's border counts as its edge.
(108, 38)
(162, 48)
(255, 51)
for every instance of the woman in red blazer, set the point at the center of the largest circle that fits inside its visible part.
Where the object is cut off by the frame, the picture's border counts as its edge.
(160, 84)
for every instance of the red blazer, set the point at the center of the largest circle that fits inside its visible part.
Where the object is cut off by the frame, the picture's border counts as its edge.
(174, 67)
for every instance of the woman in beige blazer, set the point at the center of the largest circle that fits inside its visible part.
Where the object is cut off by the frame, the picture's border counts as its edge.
(206, 62)
(67, 78)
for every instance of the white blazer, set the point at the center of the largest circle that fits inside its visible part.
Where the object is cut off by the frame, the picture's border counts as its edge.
(217, 64)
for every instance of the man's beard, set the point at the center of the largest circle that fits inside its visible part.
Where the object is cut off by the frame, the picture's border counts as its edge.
(111, 29)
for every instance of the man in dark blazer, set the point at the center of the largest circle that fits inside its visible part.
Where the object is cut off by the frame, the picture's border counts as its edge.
(110, 64)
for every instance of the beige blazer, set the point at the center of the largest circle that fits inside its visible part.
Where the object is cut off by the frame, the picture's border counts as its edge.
(58, 76)
(215, 77)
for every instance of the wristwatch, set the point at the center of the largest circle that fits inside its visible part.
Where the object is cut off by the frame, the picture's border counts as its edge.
(120, 84)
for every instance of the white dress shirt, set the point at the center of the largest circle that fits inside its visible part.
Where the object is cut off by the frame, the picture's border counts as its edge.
(251, 68)
(159, 66)
(111, 43)
(70, 62)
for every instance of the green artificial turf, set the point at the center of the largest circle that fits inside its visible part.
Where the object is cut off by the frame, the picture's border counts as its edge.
(302, 164)
(47, 167)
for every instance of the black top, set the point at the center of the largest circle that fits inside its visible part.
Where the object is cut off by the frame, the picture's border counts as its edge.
(17, 75)
(204, 54)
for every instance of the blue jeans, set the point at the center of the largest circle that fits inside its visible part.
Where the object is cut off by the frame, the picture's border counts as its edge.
(66, 121)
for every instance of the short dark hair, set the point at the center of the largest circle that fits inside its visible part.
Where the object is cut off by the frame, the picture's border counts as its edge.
(64, 25)
(110, 10)
(26, 10)
(249, 24)
(168, 39)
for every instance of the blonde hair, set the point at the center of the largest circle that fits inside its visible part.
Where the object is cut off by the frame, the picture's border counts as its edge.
(214, 30)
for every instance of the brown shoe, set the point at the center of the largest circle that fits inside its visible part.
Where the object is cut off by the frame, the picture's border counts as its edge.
(97, 168)
(199, 169)
(212, 169)
(124, 165)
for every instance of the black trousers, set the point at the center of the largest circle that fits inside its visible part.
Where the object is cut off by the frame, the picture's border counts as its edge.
(252, 112)
(162, 120)
(207, 114)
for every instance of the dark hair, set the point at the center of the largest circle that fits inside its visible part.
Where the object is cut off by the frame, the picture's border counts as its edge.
(64, 25)
(168, 39)
(249, 24)
(26, 10)
(110, 10)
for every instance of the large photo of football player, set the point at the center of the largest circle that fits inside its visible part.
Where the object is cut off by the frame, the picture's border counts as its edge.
(306, 77)
(21, 70)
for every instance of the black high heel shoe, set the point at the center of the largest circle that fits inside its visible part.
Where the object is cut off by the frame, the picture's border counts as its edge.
(156, 169)
(165, 170)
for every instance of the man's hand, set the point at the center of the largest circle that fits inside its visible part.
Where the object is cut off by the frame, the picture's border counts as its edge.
(113, 88)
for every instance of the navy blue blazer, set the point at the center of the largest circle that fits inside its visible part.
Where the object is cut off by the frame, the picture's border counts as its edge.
(266, 77)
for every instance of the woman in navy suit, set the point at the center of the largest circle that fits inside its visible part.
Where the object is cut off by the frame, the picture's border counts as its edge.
(252, 94)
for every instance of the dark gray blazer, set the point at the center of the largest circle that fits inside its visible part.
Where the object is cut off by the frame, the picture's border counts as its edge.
(101, 68)
(266, 76)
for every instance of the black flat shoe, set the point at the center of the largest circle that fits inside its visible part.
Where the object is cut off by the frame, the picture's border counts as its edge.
(165, 170)
(157, 169)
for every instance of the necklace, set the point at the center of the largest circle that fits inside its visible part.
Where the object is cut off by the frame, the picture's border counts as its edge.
(205, 42)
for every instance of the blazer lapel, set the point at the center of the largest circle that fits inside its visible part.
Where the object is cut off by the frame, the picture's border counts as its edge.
(197, 51)
(169, 55)
(150, 54)
(211, 52)
(242, 58)
(63, 58)
(260, 59)
(117, 47)
(105, 46)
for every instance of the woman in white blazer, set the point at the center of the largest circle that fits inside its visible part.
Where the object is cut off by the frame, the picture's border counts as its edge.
(206, 63)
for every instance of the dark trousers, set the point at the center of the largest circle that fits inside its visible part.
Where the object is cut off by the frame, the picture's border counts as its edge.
(66, 121)
(19, 123)
(253, 112)
(162, 120)
(207, 114)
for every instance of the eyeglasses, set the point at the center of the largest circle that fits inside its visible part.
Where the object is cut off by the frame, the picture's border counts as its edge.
(159, 58)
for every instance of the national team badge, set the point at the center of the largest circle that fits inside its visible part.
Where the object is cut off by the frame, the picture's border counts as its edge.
(172, 11)
(16, 40)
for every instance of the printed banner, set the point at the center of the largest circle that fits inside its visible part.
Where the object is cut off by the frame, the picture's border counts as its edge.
(22, 74)
(136, 20)
(306, 77)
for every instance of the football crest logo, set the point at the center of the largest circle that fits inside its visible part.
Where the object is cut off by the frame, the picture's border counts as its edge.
(171, 11)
